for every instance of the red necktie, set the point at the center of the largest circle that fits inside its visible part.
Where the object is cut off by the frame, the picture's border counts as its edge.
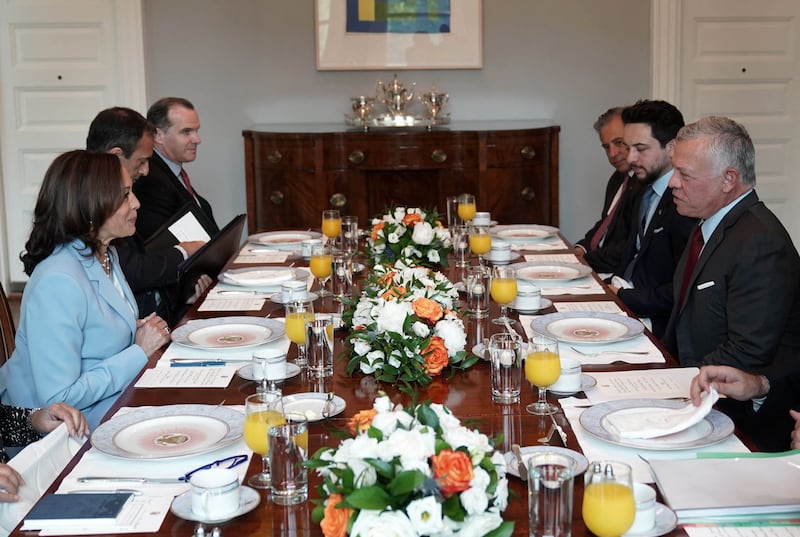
(695, 247)
(187, 183)
(601, 231)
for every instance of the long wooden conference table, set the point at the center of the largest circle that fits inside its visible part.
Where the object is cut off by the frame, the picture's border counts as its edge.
(467, 394)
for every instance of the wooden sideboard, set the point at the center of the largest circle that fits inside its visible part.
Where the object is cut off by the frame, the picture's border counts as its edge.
(295, 171)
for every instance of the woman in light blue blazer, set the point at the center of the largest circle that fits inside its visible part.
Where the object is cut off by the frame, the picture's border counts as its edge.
(79, 340)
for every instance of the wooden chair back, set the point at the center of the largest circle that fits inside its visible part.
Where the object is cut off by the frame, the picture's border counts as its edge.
(7, 329)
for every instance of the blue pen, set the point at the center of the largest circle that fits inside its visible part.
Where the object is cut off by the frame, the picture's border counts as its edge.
(204, 363)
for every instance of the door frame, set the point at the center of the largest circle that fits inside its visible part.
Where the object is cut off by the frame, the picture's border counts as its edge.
(665, 50)
(128, 34)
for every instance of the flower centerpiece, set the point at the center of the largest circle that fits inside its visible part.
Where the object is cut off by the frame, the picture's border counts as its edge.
(414, 471)
(412, 235)
(404, 328)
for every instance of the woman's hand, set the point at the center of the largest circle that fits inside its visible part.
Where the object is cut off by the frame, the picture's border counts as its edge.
(10, 482)
(46, 419)
(152, 333)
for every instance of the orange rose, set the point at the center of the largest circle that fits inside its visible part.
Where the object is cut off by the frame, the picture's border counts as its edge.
(428, 309)
(334, 521)
(411, 218)
(452, 471)
(361, 421)
(376, 228)
(394, 291)
(435, 355)
(387, 278)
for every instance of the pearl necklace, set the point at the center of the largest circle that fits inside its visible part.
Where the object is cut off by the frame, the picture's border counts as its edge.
(105, 262)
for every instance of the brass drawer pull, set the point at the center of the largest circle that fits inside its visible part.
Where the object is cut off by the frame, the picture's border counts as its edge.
(356, 157)
(276, 197)
(274, 156)
(439, 155)
(527, 193)
(338, 200)
(527, 152)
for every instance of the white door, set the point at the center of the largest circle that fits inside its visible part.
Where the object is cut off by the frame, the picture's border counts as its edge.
(741, 59)
(61, 62)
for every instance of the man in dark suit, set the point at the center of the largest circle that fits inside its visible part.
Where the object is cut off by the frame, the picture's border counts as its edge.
(644, 276)
(166, 189)
(604, 243)
(153, 276)
(737, 296)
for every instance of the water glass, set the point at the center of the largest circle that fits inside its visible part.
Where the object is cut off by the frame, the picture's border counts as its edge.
(460, 238)
(505, 352)
(478, 284)
(341, 274)
(288, 452)
(350, 234)
(452, 213)
(550, 485)
(319, 346)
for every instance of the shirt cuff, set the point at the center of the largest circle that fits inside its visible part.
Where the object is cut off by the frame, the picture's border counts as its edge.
(182, 251)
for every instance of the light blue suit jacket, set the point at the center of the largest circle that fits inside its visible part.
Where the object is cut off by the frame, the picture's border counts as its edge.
(75, 338)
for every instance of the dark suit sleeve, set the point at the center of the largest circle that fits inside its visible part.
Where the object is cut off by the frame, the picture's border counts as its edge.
(159, 201)
(145, 271)
(611, 189)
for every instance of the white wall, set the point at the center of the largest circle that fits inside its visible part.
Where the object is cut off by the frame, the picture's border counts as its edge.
(252, 61)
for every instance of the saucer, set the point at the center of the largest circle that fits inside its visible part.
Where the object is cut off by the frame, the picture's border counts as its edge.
(246, 372)
(182, 506)
(514, 257)
(666, 521)
(587, 381)
(544, 303)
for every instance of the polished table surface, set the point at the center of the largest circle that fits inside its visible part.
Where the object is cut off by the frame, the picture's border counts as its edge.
(467, 394)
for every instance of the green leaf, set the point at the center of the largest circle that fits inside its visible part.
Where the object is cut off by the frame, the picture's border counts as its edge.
(427, 416)
(368, 498)
(383, 468)
(406, 482)
(452, 508)
(318, 514)
(506, 529)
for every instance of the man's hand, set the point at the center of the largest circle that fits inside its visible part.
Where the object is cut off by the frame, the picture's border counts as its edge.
(729, 381)
(190, 247)
(200, 286)
(796, 431)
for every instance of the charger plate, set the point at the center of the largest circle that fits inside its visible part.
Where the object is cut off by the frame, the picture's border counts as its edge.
(283, 240)
(551, 271)
(237, 332)
(524, 232)
(588, 327)
(164, 432)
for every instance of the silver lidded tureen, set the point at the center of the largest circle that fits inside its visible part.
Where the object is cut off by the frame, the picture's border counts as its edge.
(392, 107)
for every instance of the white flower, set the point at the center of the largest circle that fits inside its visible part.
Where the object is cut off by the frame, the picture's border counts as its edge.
(425, 515)
(393, 238)
(408, 445)
(394, 359)
(393, 315)
(433, 256)
(476, 443)
(474, 500)
(384, 404)
(423, 233)
(501, 494)
(479, 525)
(453, 333)
(399, 213)
(421, 329)
(382, 524)
(360, 347)
(373, 362)
(499, 462)
(480, 478)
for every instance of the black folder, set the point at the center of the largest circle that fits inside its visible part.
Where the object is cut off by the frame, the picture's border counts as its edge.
(211, 257)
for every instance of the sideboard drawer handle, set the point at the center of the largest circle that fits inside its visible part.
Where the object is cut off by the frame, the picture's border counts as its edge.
(439, 155)
(274, 156)
(276, 197)
(527, 193)
(527, 152)
(356, 157)
(338, 200)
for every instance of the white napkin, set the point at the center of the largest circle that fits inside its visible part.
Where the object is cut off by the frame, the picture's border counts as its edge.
(654, 422)
(596, 449)
(553, 258)
(539, 246)
(260, 277)
(580, 286)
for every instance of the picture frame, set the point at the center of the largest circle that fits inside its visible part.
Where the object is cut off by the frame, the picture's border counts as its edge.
(459, 47)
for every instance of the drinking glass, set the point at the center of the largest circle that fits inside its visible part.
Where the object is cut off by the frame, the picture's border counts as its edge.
(466, 207)
(504, 291)
(320, 266)
(298, 313)
(331, 223)
(288, 454)
(480, 242)
(262, 411)
(350, 234)
(542, 368)
(608, 504)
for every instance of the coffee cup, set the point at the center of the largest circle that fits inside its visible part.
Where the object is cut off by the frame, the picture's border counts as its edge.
(529, 297)
(570, 379)
(214, 493)
(307, 245)
(482, 218)
(294, 290)
(269, 363)
(501, 251)
(645, 498)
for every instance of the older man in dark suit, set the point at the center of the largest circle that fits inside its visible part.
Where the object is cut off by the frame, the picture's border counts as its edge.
(644, 277)
(737, 291)
(604, 243)
(166, 189)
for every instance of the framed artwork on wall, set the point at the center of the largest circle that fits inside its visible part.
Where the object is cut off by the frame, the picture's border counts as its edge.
(398, 34)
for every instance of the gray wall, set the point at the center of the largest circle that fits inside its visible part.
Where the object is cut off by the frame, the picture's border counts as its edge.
(253, 61)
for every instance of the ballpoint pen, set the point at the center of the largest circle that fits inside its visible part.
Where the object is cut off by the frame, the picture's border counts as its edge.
(199, 363)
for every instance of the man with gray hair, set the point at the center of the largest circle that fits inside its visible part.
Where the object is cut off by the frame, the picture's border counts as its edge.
(736, 287)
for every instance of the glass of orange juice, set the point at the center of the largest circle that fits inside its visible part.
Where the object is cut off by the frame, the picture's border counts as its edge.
(262, 411)
(331, 223)
(466, 207)
(320, 266)
(503, 290)
(298, 313)
(542, 368)
(608, 504)
(480, 241)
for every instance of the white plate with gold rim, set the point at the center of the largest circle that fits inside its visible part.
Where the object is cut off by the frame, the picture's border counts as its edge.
(237, 332)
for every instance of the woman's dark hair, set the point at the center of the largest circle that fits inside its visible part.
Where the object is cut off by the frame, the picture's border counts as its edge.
(80, 191)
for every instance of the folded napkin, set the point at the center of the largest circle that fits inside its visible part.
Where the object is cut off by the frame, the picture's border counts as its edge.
(596, 449)
(226, 291)
(580, 286)
(539, 246)
(654, 422)
(260, 256)
(552, 258)
(259, 277)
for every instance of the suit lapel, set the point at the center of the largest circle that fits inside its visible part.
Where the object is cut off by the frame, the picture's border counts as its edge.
(105, 288)
(174, 182)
